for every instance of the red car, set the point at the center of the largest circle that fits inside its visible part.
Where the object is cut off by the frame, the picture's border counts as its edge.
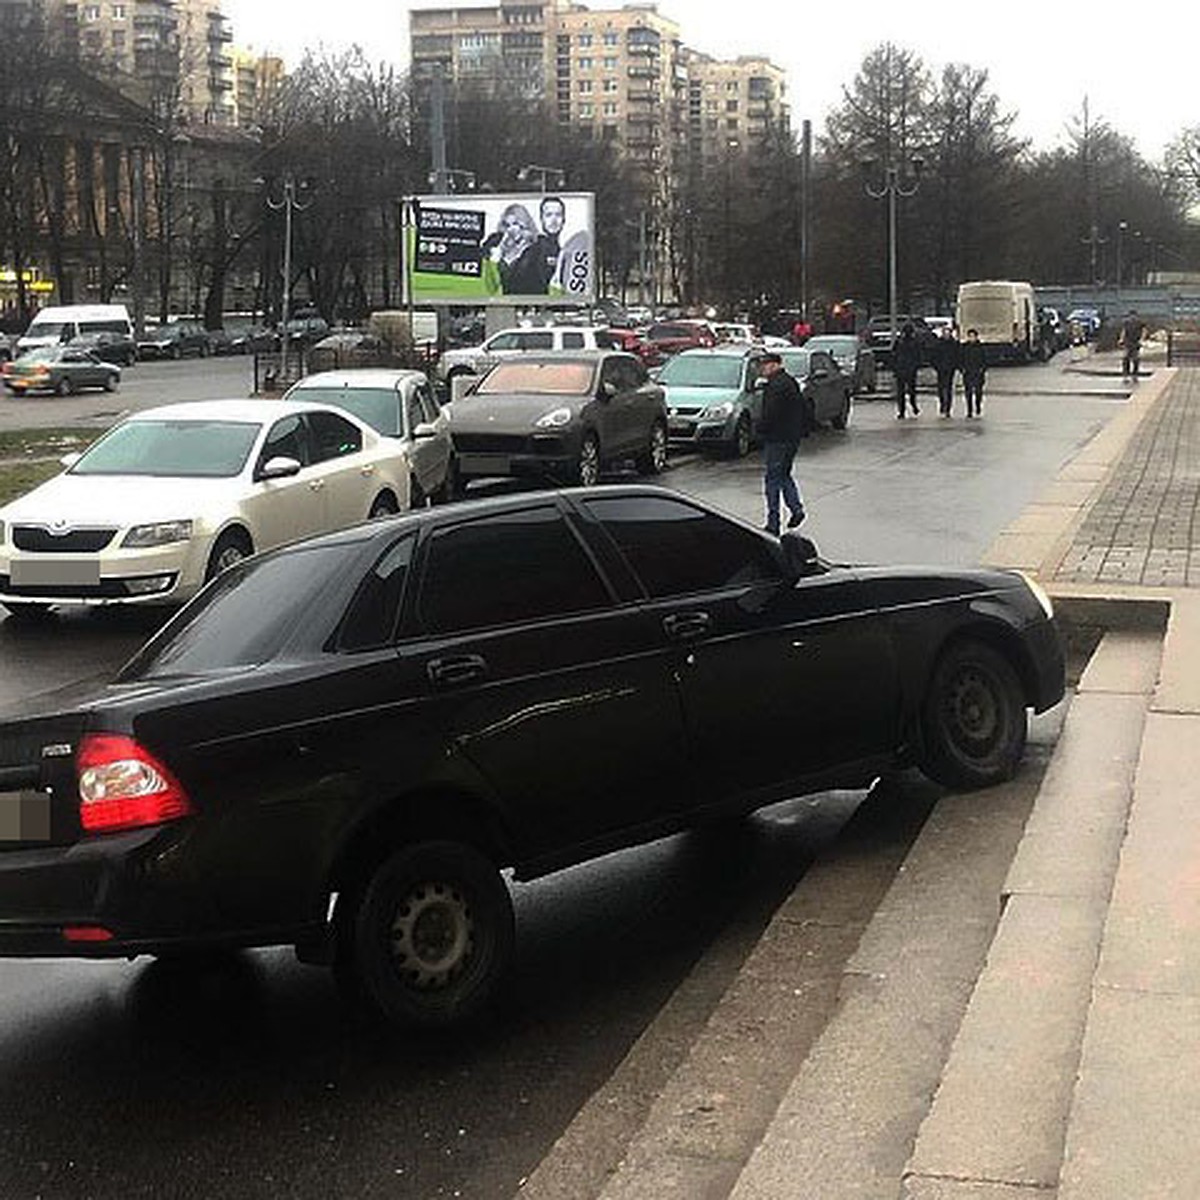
(670, 337)
(632, 343)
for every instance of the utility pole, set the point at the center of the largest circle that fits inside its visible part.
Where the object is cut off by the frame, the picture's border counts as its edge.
(805, 211)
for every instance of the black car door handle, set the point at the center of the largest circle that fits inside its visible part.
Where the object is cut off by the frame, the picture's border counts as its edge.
(686, 625)
(461, 669)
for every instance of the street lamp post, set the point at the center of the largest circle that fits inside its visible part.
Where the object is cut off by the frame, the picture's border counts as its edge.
(893, 186)
(447, 180)
(289, 205)
(1122, 226)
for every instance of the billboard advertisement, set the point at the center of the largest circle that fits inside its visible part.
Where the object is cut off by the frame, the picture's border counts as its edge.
(521, 249)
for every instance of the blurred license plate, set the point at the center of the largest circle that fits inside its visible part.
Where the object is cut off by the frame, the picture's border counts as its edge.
(483, 464)
(680, 425)
(54, 572)
(24, 817)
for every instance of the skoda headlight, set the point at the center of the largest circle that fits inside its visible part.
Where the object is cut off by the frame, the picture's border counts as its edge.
(718, 412)
(1039, 594)
(555, 419)
(161, 533)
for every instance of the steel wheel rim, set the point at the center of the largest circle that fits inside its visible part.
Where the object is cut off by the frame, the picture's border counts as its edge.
(230, 556)
(432, 936)
(589, 462)
(973, 712)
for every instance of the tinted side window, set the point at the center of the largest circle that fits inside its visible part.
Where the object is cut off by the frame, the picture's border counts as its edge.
(503, 341)
(536, 341)
(370, 621)
(512, 567)
(287, 439)
(429, 406)
(676, 549)
(333, 436)
(572, 341)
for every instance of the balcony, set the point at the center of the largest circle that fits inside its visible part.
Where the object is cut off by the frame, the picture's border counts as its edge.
(640, 117)
(642, 96)
(642, 49)
(643, 71)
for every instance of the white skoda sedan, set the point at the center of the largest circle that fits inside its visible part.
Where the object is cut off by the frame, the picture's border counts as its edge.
(175, 495)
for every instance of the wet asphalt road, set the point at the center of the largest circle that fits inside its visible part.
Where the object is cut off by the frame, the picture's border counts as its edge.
(247, 1077)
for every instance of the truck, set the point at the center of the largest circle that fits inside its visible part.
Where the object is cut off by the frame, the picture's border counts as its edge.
(1004, 312)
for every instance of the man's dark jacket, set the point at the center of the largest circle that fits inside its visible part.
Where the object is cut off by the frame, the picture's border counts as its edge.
(906, 357)
(974, 364)
(944, 356)
(786, 414)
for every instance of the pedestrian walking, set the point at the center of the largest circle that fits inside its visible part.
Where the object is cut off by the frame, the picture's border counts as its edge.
(974, 369)
(1133, 329)
(944, 353)
(906, 362)
(786, 418)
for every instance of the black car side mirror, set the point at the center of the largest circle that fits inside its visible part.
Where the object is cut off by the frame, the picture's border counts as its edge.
(800, 555)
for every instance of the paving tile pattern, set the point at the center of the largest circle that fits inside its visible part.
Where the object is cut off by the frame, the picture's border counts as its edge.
(1145, 526)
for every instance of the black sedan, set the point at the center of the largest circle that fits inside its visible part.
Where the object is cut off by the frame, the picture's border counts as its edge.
(561, 415)
(340, 745)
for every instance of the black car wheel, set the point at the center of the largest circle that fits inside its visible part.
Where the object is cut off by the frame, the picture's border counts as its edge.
(842, 417)
(232, 546)
(587, 469)
(654, 460)
(65, 386)
(974, 720)
(432, 935)
(109, 383)
(384, 505)
(741, 437)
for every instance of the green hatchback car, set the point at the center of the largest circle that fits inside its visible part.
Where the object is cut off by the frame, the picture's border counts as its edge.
(712, 403)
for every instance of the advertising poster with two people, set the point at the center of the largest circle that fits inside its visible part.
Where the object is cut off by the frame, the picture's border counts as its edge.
(513, 249)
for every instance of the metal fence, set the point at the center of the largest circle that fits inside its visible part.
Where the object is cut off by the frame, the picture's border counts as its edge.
(269, 377)
(1183, 348)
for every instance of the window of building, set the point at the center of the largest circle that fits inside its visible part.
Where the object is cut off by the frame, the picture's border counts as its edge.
(731, 85)
(585, 86)
(610, 108)
(731, 123)
(586, 111)
(585, 64)
(91, 12)
(610, 85)
(611, 133)
(118, 39)
(118, 12)
(610, 62)
(612, 38)
(731, 106)
(584, 39)
(710, 106)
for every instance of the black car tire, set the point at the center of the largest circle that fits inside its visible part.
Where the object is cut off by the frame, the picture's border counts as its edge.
(175, 352)
(384, 505)
(653, 461)
(974, 720)
(842, 417)
(109, 383)
(742, 438)
(587, 467)
(65, 387)
(431, 937)
(231, 547)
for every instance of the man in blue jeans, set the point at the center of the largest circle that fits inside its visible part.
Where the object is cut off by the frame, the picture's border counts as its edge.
(785, 420)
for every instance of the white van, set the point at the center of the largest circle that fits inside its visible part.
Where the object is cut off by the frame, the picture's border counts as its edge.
(1004, 313)
(54, 325)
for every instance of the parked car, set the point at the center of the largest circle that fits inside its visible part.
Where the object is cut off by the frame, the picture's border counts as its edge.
(673, 337)
(340, 745)
(399, 405)
(829, 389)
(1085, 323)
(57, 324)
(712, 401)
(59, 369)
(737, 331)
(852, 356)
(172, 496)
(561, 416)
(879, 338)
(108, 345)
(631, 342)
(175, 339)
(475, 360)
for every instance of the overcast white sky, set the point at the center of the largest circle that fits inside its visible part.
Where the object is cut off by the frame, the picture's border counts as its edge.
(1138, 71)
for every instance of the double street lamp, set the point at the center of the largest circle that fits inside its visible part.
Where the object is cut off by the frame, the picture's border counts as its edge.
(893, 186)
(544, 177)
(288, 203)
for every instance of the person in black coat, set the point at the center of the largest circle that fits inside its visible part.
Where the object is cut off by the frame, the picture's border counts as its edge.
(974, 369)
(906, 361)
(786, 418)
(944, 354)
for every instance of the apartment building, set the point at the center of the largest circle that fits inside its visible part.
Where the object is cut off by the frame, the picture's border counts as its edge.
(257, 79)
(146, 46)
(733, 105)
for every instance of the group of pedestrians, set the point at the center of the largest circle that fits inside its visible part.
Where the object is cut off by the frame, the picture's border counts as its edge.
(948, 357)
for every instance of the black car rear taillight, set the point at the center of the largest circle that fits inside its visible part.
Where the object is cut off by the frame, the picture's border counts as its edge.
(123, 786)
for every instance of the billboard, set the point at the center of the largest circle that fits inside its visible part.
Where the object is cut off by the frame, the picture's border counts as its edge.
(521, 249)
